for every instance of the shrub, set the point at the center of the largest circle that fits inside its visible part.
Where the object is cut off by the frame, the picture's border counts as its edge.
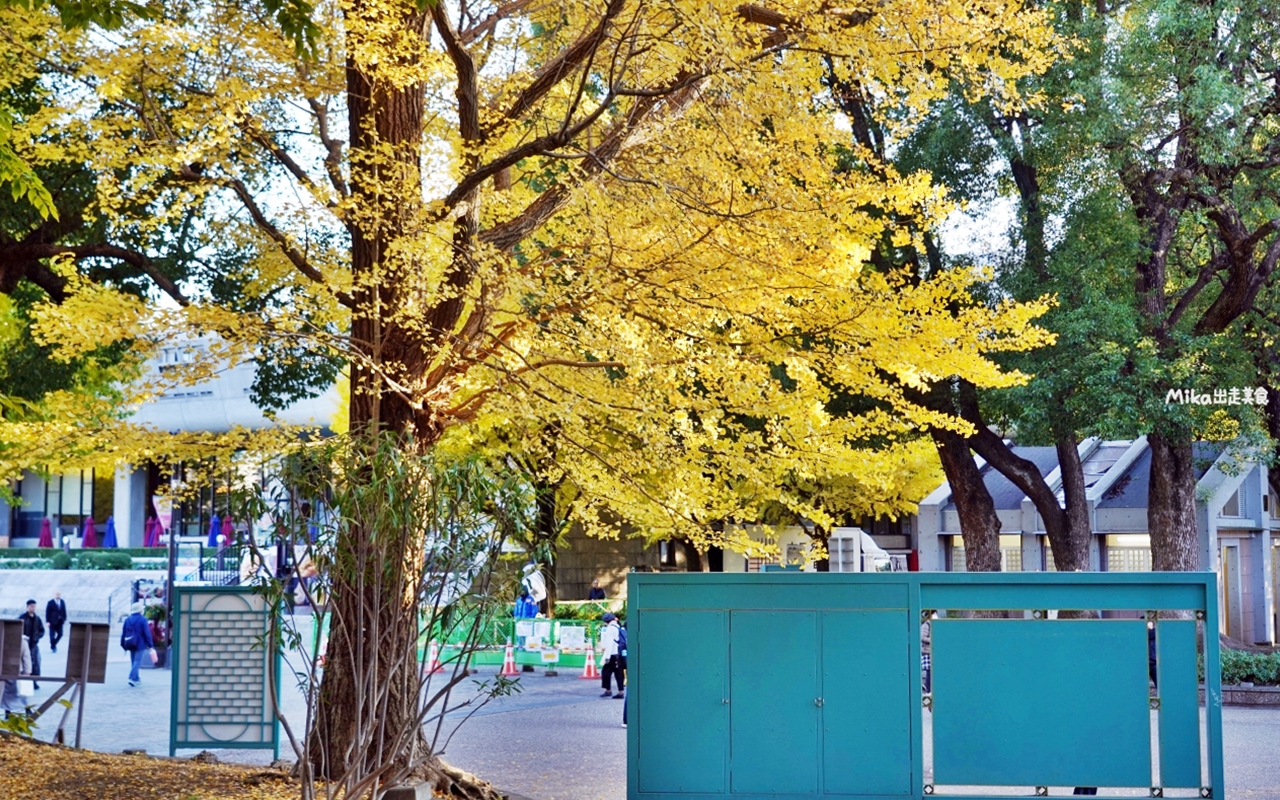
(103, 560)
(579, 611)
(1239, 666)
(26, 563)
(61, 561)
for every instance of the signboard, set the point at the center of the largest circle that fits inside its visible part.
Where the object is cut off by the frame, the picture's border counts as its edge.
(573, 637)
(524, 629)
(542, 630)
(96, 640)
(164, 509)
(10, 647)
(223, 679)
(550, 655)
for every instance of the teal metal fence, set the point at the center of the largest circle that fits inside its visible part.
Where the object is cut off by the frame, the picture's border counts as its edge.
(225, 682)
(887, 685)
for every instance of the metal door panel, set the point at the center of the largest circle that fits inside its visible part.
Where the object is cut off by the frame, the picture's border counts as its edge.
(866, 712)
(1179, 688)
(1038, 702)
(775, 702)
(681, 714)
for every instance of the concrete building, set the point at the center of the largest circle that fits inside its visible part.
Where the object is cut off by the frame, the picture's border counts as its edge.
(214, 405)
(1236, 512)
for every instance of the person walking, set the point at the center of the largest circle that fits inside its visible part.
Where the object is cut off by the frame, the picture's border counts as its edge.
(10, 699)
(596, 592)
(32, 632)
(136, 638)
(609, 635)
(55, 614)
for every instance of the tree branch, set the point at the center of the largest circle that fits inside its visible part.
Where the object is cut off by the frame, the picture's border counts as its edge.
(468, 92)
(265, 225)
(555, 70)
(27, 252)
(507, 235)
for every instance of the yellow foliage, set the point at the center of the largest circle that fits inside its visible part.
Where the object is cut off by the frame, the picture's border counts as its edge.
(633, 225)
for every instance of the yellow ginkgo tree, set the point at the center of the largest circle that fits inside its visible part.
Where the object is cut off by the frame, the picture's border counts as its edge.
(638, 222)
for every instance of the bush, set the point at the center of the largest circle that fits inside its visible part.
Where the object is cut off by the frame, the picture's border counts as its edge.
(103, 560)
(1240, 666)
(26, 563)
(50, 552)
(580, 611)
(61, 561)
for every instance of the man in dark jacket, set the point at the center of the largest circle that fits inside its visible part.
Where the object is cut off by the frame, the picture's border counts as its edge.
(55, 614)
(33, 632)
(136, 638)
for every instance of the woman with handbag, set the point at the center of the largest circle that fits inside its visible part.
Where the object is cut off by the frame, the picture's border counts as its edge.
(136, 638)
(17, 693)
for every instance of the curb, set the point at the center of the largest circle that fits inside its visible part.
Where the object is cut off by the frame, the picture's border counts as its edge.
(1250, 695)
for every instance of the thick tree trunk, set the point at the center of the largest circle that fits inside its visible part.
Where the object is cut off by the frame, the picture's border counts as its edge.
(979, 523)
(548, 532)
(1071, 547)
(369, 710)
(1171, 504)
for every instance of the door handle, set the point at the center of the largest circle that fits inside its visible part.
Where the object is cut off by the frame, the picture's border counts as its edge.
(817, 701)
(725, 701)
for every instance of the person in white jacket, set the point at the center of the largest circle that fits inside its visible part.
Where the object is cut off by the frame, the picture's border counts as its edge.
(10, 700)
(612, 659)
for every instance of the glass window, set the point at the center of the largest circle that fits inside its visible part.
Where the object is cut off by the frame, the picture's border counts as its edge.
(1231, 508)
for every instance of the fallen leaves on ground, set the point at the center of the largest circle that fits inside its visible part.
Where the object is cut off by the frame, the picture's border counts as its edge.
(34, 771)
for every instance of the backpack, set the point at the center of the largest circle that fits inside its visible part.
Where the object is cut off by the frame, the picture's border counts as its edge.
(622, 641)
(129, 638)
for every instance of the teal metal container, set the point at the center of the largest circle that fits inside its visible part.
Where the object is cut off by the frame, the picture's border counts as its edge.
(806, 685)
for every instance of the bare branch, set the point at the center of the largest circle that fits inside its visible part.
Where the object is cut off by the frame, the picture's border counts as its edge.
(333, 148)
(295, 169)
(468, 92)
(22, 252)
(507, 235)
(555, 70)
(487, 25)
(265, 225)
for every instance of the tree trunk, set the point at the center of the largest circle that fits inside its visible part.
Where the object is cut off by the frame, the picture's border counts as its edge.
(1171, 504)
(979, 523)
(1068, 528)
(369, 695)
(821, 536)
(1273, 428)
(548, 531)
(1071, 547)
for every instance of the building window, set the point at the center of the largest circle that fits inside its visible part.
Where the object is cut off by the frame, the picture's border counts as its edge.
(1128, 552)
(1231, 508)
(1010, 553)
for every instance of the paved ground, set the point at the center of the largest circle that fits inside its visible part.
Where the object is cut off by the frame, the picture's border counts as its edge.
(556, 739)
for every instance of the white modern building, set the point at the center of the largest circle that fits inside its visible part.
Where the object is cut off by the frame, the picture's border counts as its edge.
(215, 405)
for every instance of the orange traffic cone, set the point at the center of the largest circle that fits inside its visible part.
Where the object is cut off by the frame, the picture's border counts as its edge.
(589, 671)
(433, 660)
(509, 667)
